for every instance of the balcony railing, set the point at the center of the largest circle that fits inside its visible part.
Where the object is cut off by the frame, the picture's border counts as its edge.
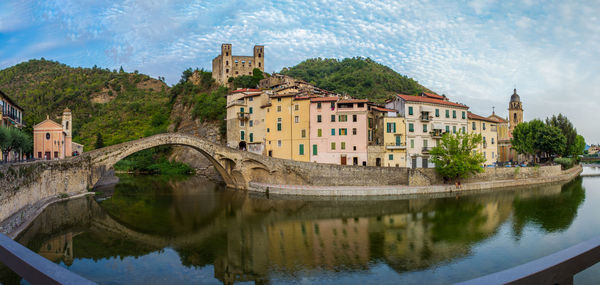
(243, 115)
(437, 134)
(236, 102)
(425, 118)
(425, 149)
(395, 146)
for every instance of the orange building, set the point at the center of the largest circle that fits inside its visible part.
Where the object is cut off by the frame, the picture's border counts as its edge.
(52, 140)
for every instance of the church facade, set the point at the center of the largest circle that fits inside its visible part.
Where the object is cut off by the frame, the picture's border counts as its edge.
(52, 140)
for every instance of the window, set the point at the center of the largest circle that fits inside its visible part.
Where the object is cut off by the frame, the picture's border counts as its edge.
(278, 124)
(319, 105)
(474, 127)
(301, 149)
(483, 126)
(424, 128)
(398, 140)
(447, 113)
(67, 126)
(410, 110)
(333, 118)
(303, 133)
(259, 63)
(343, 132)
(279, 143)
(492, 140)
(464, 130)
(278, 99)
(342, 118)
(268, 130)
(242, 110)
(314, 149)
(332, 146)
(296, 119)
(437, 112)
(251, 123)
(453, 114)
(242, 135)
(411, 127)
(343, 145)
(47, 136)
(492, 154)
(354, 118)
(454, 129)
(425, 143)
(251, 137)
(278, 108)
(332, 106)
(353, 131)
(412, 143)
(333, 132)
(296, 107)
(391, 157)
(447, 129)
(370, 122)
(318, 118)
(319, 132)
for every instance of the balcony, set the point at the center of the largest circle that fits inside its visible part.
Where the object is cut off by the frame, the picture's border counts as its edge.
(425, 149)
(395, 146)
(243, 115)
(437, 134)
(236, 102)
(425, 118)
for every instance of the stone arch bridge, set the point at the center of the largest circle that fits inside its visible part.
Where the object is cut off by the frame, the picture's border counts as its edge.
(238, 168)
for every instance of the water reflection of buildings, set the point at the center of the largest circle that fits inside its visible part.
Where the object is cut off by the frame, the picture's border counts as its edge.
(59, 248)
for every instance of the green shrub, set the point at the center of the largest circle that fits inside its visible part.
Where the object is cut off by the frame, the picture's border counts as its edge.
(565, 162)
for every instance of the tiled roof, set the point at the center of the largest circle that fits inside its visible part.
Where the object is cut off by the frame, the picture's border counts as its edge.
(302, 97)
(434, 96)
(3, 95)
(283, 95)
(246, 90)
(354, 101)
(253, 94)
(424, 99)
(383, 109)
(497, 118)
(481, 118)
(324, 99)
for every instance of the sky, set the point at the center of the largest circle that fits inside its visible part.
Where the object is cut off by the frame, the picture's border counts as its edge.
(475, 52)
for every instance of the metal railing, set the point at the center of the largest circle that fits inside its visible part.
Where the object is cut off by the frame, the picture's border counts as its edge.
(558, 268)
(33, 267)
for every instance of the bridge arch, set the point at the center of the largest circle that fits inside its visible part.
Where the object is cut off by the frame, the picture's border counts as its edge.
(104, 159)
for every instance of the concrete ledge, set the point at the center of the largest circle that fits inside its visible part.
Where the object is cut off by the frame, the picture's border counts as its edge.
(307, 190)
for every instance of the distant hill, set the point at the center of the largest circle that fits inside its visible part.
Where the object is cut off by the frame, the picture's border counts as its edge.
(120, 105)
(358, 77)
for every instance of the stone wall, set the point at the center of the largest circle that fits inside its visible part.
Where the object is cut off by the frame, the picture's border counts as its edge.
(26, 187)
(430, 177)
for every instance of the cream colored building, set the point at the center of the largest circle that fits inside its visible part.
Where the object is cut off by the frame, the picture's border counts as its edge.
(427, 117)
(488, 129)
(246, 112)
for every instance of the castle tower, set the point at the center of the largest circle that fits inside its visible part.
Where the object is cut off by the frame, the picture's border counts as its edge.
(226, 62)
(67, 125)
(259, 57)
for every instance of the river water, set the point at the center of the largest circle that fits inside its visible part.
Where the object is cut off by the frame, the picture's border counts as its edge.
(161, 230)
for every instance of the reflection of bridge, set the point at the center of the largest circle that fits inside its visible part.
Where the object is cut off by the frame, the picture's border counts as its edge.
(240, 167)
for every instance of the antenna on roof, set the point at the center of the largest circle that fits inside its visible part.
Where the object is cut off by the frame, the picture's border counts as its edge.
(493, 110)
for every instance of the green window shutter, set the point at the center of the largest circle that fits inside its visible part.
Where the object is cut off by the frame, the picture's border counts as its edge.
(332, 146)
(242, 110)
(389, 127)
(391, 157)
(343, 145)
(454, 129)
(411, 127)
(474, 127)
(251, 137)
(242, 135)
(463, 114)
(412, 143)
(454, 114)
(279, 126)
(437, 112)
(250, 110)
(398, 142)
(301, 149)
(394, 127)
(424, 128)
(333, 132)
(314, 149)
(410, 110)
(447, 113)
(319, 133)
(447, 129)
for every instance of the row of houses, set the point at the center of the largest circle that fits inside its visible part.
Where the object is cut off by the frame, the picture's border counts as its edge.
(304, 123)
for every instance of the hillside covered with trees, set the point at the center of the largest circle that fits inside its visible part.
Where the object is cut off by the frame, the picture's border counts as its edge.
(358, 77)
(121, 106)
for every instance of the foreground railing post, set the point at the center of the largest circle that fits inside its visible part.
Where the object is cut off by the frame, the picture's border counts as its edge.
(33, 267)
(557, 268)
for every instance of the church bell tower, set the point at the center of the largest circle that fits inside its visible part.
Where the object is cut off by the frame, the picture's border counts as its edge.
(515, 111)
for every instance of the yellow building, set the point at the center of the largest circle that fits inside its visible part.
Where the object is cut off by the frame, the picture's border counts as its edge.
(394, 139)
(488, 130)
(287, 125)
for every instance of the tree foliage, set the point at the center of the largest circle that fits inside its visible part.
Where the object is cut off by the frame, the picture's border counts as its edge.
(45, 87)
(358, 77)
(13, 139)
(569, 132)
(535, 137)
(247, 81)
(454, 157)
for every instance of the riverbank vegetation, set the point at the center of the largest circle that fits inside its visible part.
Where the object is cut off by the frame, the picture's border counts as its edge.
(153, 161)
(454, 157)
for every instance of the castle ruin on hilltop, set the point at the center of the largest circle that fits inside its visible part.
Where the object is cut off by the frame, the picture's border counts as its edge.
(227, 65)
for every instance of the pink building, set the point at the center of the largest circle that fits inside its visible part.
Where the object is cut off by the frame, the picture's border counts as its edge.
(338, 130)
